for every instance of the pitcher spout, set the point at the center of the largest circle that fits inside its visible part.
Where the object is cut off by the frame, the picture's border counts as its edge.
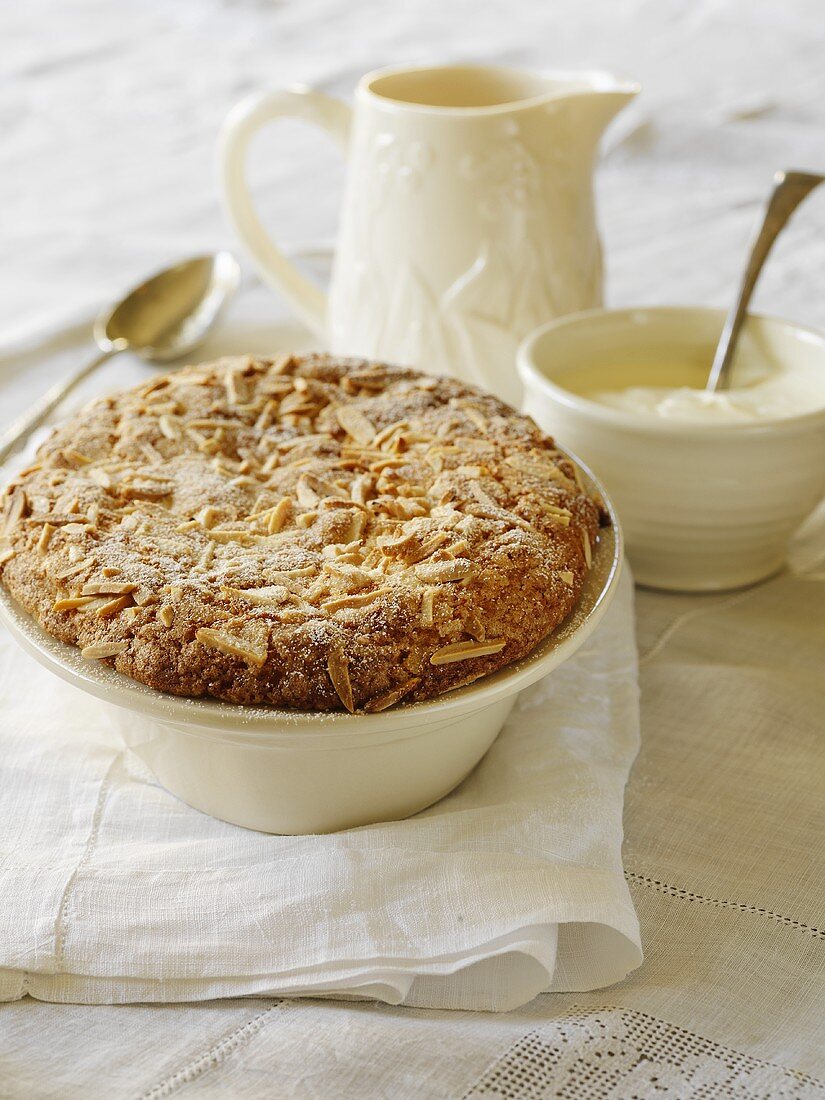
(595, 97)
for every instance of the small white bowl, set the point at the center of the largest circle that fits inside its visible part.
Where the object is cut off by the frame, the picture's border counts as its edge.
(704, 506)
(294, 772)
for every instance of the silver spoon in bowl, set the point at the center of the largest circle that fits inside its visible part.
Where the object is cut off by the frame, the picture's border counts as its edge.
(160, 320)
(790, 188)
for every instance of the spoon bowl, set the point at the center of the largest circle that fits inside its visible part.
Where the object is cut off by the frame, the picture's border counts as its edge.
(171, 313)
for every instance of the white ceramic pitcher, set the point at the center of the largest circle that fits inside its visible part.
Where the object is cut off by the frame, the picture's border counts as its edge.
(468, 215)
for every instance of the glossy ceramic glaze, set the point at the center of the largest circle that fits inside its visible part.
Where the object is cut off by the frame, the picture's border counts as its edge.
(468, 214)
(704, 506)
(294, 772)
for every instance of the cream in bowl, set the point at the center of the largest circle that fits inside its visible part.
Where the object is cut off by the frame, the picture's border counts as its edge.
(766, 388)
(709, 487)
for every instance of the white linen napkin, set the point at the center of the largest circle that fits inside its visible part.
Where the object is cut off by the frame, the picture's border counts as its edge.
(112, 890)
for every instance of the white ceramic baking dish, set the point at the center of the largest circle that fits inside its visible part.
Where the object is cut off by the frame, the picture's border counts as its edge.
(293, 772)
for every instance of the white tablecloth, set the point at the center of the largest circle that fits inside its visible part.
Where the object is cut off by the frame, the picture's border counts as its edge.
(109, 113)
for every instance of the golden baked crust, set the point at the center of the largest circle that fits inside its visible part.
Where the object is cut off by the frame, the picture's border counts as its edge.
(307, 532)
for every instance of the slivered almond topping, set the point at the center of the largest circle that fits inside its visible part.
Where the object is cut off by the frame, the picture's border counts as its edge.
(208, 516)
(463, 651)
(231, 384)
(232, 646)
(45, 537)
(243, 480)
(359, 599)
(107, 588)
(73, 570)
(56, 519)
(427, 604)
(387, 464)
(279, 516)
(75, 458)
(113, 606)
(208, 423)
(71, 603)
(391, 697)
(441, 572)
(166, 615)
(588, 553)
(426, 548)
(100, 477)
(6, 554)
(386, 434)
(475, 417)
(307, 497)
(338, 668)
(296, 404)
(266, 415)
(555, 518)
(155, 457)
(269, 595)
(104, 649)
(458, 548)
(502, 515)
(354, 423)
(539, 466)
(198, 438)
(240, 535)
(290, 574)
(145, 491)
(566, 576)
(94, 604)
(16, 509)
(357, 523)
(169, 426)
(283, 365)
(306, 519)
(555, 510)
(475, 627)
(483, 497)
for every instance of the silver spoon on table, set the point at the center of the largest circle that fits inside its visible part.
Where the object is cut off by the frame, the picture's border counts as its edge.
(790, 188)
(160, 320)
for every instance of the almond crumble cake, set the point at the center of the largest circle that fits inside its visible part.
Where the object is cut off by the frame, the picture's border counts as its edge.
(307, 532)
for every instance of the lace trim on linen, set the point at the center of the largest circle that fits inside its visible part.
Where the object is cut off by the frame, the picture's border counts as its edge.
(620, 1054)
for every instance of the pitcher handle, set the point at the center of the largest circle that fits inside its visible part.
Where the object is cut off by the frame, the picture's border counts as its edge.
(240, 126)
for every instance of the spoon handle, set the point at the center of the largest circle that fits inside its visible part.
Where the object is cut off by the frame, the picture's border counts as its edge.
(790, 188)
(19, 430)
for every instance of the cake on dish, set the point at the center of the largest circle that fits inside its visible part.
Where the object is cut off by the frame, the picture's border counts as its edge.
(304, 531)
